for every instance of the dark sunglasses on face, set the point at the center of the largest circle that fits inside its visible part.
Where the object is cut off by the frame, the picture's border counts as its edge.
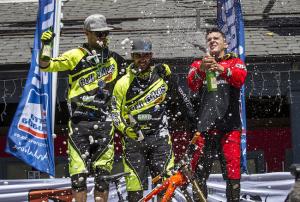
(101, 34)
(140, 55)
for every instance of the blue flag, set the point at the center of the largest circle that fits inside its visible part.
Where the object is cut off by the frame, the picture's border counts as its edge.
(30, 134)
(230, 21)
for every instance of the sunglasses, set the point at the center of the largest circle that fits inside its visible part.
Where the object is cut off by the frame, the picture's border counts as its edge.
(141, 55)
(102, 34)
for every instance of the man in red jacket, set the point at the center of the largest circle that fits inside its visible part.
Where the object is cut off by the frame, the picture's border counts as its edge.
(218, 112)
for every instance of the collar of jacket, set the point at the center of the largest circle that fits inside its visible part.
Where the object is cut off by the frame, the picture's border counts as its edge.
(144, 75)
(104, 50)
(227, 56)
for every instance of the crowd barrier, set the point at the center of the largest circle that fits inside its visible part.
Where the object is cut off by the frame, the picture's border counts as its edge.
(268, 187)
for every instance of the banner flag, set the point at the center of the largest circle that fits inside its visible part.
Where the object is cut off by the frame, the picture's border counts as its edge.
(30, 134)
(230, 21)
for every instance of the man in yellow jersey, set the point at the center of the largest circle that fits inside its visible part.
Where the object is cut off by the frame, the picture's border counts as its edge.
(93, 71)
(140, 104)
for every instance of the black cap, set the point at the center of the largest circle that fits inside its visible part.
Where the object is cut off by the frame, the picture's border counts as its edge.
(141, 46)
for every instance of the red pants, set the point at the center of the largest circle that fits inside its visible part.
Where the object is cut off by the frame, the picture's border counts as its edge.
(226, 146)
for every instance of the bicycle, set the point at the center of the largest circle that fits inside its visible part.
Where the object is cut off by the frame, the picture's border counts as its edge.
(182, 176)
(115, 179)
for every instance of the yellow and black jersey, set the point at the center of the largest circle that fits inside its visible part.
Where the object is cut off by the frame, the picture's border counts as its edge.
(91, 80)
(148, 100)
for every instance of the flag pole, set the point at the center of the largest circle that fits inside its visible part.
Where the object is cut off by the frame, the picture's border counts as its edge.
(57, 26)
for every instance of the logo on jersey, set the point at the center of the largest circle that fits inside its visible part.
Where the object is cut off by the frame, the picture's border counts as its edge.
(102, 72)
(241, 66)
(87, 80)
(144, 117)
(149, 98)
(155, 94)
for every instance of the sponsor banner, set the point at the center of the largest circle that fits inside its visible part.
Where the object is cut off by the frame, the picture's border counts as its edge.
(230, 21)
(256, 187)
(30, 134)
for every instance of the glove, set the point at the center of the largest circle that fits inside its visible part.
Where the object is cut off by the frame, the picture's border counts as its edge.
(47, 36)
(130, 132)
(161, 70)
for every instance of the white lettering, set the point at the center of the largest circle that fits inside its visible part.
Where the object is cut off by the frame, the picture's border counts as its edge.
(155, 94)
(19, 136)
(45, 25)
(48, 23)
(36, 82)
(49, 8)
(29, 152)
(45, 77)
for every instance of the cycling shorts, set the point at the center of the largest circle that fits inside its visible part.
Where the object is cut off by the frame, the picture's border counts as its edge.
(90, 146)
(154, 153)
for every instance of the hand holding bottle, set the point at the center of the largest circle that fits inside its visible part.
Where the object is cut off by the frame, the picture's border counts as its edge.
(46, 51)
(47, 37)
(209, 65)
(136, 128)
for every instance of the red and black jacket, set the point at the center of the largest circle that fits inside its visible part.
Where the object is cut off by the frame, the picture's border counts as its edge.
(220, 109)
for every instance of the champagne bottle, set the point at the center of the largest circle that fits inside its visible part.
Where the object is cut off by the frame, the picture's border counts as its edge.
(135, 124)
(211, 80)
(47, 51)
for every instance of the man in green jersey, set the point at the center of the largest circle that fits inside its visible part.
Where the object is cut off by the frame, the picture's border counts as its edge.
(140, 104)
(93, 71)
